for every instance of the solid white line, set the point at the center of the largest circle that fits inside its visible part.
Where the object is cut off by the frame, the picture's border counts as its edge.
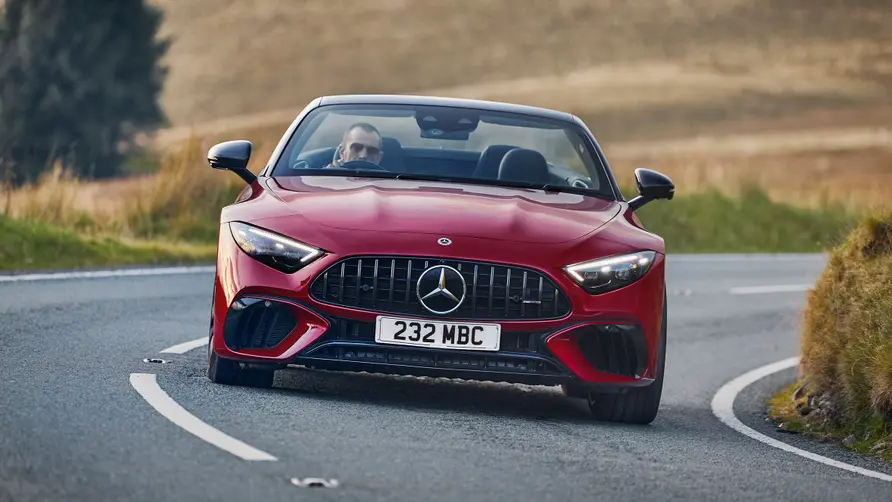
(182, 348)
(723, 408)
(745, 257)
(147, 386)
(786, 288)
(102, 274)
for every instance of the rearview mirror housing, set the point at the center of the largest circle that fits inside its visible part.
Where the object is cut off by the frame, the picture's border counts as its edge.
(651, 186)
(232, 156)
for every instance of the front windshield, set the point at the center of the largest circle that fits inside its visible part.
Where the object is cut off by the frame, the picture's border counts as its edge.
(443, 143)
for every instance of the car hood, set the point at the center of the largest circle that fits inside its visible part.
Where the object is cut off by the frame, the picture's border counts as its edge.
(428, 207)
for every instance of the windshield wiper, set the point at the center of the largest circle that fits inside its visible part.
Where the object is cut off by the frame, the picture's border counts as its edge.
(565, 189)
(427, 177)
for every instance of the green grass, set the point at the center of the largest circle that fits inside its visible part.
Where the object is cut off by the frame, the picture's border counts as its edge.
(701, 223)
(27, 245)
(710, 222)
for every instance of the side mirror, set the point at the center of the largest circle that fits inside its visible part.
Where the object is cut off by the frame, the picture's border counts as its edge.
(651, 186)
(232, 156)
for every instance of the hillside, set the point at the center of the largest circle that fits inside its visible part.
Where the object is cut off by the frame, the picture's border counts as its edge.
(635, 70)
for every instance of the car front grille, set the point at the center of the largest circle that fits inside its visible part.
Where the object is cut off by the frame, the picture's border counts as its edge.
(494, 291)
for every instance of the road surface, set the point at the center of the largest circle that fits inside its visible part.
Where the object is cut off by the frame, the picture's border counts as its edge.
(73, 426)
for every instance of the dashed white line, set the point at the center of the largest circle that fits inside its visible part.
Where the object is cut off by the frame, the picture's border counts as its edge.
(783, 288)
(102, 274)
(147, 386)
(723, 408)
(182, 348)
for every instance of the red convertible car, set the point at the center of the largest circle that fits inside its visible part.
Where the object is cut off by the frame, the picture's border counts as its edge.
(442, 237)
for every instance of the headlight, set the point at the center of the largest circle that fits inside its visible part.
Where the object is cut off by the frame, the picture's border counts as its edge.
(607, 274)
(277, 251)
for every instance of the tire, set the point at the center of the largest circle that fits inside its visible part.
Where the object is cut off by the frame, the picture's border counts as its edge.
(635, 405)
(228, 372)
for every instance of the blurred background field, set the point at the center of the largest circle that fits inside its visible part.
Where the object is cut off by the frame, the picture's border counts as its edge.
(749, 105)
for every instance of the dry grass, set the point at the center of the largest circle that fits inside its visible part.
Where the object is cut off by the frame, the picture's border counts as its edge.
(181, 201)
(847, 338)
(857, 179)
(640, 73)
(232, 57)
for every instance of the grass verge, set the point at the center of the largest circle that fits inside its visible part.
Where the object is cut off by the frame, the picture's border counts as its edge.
(707, 222)
(870, 436)
(711, 222)
(847, 346)
(29, 245)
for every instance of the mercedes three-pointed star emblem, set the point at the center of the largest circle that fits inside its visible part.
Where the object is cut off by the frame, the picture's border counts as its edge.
(441, 289)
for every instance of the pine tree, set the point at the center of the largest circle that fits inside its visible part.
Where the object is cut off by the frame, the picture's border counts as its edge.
(78, 79)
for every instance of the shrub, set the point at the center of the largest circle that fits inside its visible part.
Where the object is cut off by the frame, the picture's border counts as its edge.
(847, 337)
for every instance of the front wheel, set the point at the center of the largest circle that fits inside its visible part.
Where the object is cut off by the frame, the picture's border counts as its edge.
(636, 405)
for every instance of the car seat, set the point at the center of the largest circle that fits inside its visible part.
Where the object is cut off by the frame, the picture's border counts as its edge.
(524, 165)
(490, 159)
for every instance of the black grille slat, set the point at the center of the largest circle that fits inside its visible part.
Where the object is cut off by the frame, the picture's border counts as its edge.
(341, 287)
(258, 324)
(620, 350)
(523, 296)
(492, 278)
(387, 285)
(474, 292)
(507, 294)
(408, 280)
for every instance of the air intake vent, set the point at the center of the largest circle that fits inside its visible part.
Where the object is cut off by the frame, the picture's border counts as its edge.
(258, 324)
(616, 349)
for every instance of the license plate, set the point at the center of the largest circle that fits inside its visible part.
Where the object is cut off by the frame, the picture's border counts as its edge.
(438, 334)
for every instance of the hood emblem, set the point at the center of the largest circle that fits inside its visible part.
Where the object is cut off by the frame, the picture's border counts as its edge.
(441, 289)
(444, 241)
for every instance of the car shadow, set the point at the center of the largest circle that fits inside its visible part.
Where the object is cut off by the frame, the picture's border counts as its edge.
(452, 395)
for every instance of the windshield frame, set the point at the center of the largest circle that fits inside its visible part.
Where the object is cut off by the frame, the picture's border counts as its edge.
(300, 128)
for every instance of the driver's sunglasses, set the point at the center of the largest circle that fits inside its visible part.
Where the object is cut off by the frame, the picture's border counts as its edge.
(371, 151)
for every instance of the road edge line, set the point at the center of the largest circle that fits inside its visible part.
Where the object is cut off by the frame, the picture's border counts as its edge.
(146, 384)
(182, 348)
(108, 273)
(778, 288)
(723, 408)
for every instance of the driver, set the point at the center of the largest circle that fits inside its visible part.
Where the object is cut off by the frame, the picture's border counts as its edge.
(361, 141)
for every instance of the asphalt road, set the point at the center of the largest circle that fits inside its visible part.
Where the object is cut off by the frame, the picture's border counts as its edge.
(73, 428)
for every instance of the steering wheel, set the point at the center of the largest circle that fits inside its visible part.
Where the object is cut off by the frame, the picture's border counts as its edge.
(362, 165)
(354, 164)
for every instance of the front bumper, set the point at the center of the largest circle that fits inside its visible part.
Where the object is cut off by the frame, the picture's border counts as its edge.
(263, 316)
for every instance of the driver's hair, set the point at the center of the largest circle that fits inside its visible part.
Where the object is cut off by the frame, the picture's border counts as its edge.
(365, 126)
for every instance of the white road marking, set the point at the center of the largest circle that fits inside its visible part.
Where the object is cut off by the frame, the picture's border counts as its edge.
(784, 288)
(745, 257)
(182, 348)
(102, 274)
(723, 408)
(147, 386)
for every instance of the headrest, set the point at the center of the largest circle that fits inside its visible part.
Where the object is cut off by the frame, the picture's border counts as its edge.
(524, 165)
(394, 158)
(488, 165)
